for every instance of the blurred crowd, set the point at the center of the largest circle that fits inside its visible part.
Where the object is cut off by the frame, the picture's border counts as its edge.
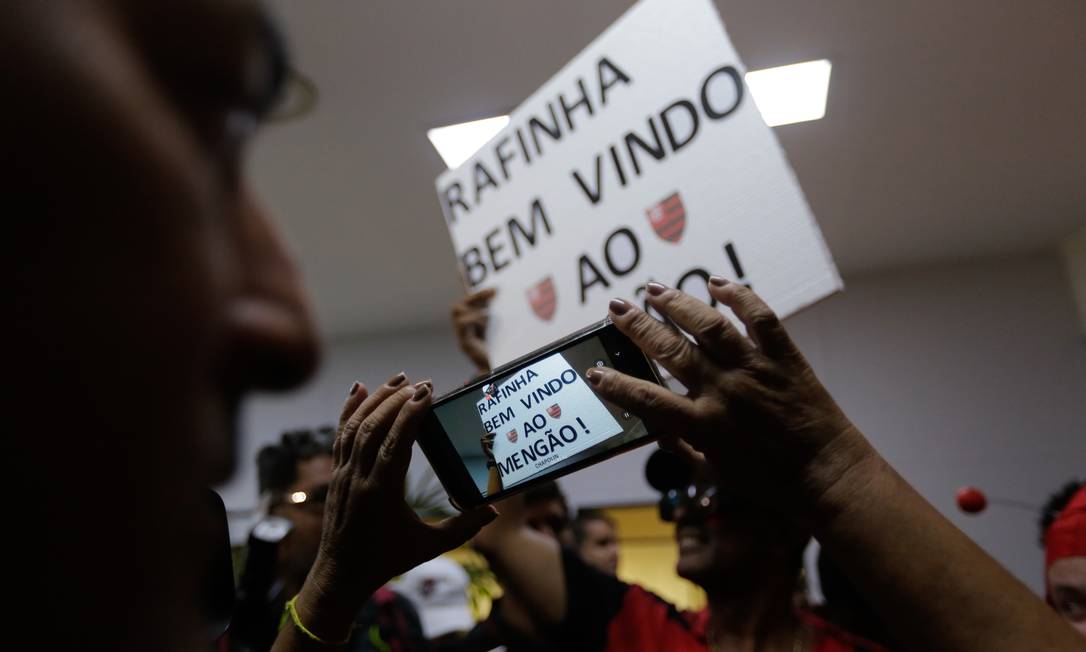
(152, 294)
(747, 558)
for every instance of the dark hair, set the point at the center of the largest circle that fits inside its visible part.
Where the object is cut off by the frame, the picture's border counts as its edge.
(277, 464)
(1056, 504)
(544, 493)
(583, 517)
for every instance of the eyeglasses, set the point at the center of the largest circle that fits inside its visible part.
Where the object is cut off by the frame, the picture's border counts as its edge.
(689, 498)
(315, 496)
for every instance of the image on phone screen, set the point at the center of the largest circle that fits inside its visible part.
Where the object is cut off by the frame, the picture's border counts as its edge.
(536, 420)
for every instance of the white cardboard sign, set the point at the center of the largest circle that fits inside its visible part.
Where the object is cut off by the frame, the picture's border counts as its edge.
(643, 159)
(541, 416)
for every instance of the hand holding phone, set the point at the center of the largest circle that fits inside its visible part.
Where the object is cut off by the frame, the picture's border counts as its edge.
(754, 407)
(370, 456)
(534, 419)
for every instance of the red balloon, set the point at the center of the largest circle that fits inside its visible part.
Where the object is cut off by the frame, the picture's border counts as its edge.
(971, 500)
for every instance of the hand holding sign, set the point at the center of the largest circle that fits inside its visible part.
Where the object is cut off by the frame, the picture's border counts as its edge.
(470, 317)
(486, 442)
(754, 408)
(644, 158)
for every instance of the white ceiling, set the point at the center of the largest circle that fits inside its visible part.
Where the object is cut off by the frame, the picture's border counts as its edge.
(952, 129)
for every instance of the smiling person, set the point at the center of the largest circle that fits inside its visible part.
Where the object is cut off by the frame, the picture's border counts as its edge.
(746, 559)
(772, 450)
(150, 293)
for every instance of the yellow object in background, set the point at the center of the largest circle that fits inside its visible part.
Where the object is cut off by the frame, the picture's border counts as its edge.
(483, 588)
(647, 555)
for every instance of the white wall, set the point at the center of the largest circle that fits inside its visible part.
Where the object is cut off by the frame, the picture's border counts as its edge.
(1074, 258)
(967, 374)
(972, 374)
(422, 354)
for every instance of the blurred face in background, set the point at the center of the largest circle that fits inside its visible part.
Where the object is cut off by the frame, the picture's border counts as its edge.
(550, 517)
(1067, 588)
(303, 505)
(599, 545)
(724, 539)
(152, 290)
(706, 548)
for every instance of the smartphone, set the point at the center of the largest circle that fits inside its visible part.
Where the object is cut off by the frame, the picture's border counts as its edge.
(534, 419)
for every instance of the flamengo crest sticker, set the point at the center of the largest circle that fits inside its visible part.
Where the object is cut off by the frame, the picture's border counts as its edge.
(668, 218)
(543, 298)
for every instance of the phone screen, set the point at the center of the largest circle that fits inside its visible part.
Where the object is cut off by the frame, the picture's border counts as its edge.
(537, 419)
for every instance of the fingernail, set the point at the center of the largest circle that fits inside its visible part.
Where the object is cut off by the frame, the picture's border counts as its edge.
(422, 390)
(718, 281)
(355, 386)
(428, 381)
(594, 375)
(397, 380)
(655, 289)
(618, 306)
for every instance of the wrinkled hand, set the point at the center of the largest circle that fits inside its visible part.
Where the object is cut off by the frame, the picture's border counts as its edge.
(470, 317)
(370, 533)
(754, 408)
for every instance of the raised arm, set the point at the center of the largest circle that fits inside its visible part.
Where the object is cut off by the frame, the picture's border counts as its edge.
(370, 534)
(527, 563)
(760, 417)
(470, 318)
(493, 478)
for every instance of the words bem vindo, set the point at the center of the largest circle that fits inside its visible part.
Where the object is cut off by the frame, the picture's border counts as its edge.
(664, 134)
(543, 448)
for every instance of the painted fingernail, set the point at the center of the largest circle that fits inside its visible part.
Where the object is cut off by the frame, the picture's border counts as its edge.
(618, 306)
(355, 386)
(424, 382)
(422, 390)
(655, 289)
(397, 380)
(594, 375)
(718, 281)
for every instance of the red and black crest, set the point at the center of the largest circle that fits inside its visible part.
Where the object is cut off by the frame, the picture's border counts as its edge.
(555, 411)
(668, 218)
(543, 299)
